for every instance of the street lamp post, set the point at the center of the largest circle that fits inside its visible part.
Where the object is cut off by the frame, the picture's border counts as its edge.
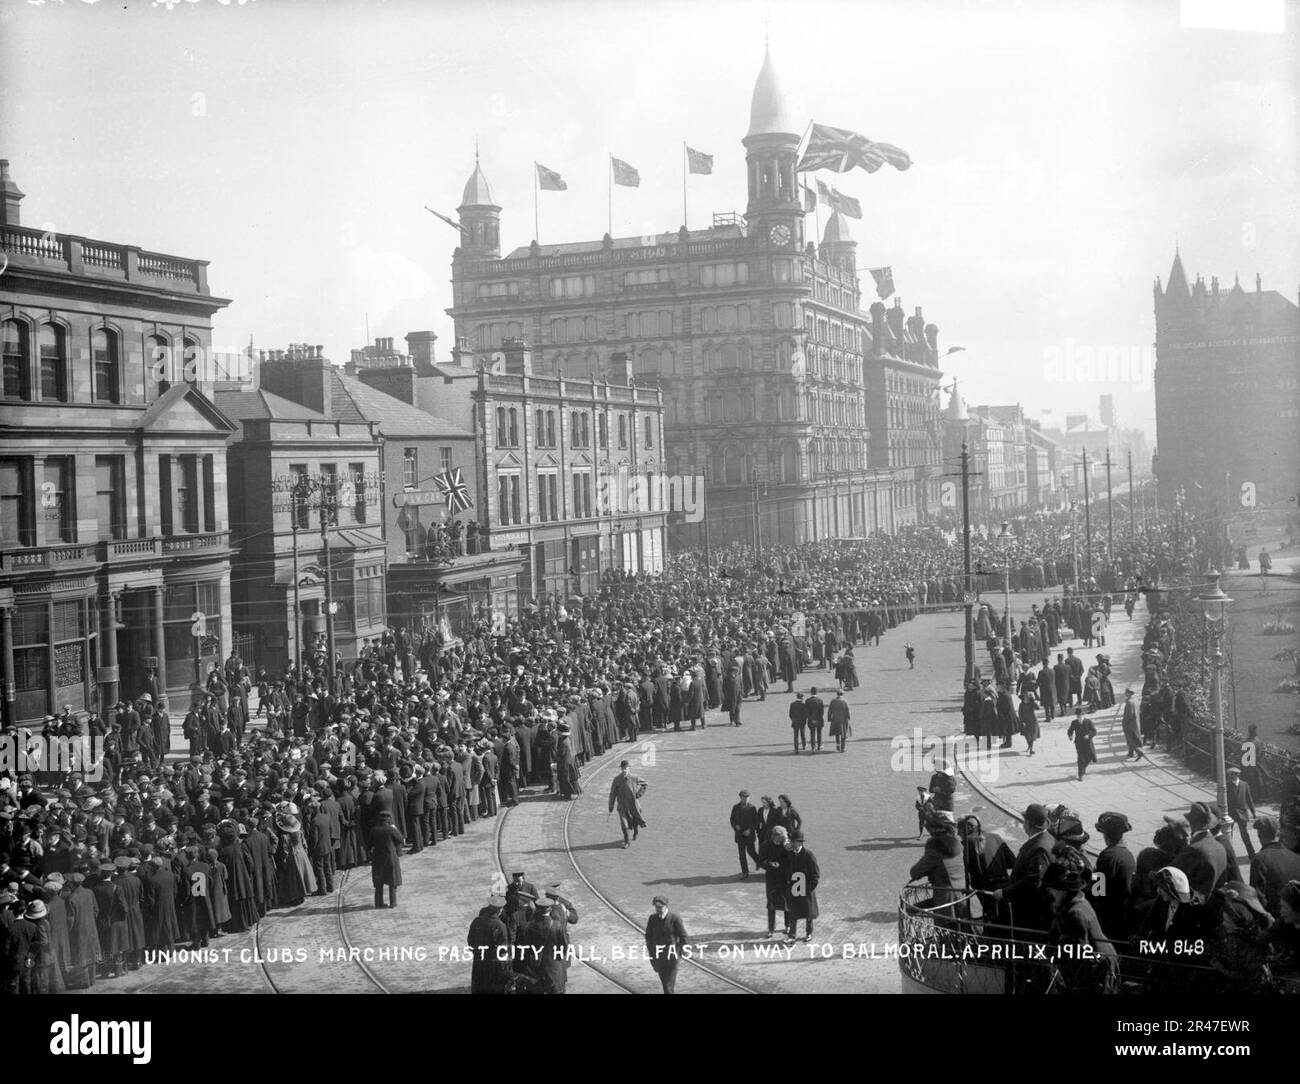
(1215, 604)
(1005, 539)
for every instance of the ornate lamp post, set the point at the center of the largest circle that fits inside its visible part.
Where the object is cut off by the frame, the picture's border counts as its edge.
(1216, 603)
(1005, 540)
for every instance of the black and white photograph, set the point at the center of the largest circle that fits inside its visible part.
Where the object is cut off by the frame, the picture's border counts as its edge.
(545, 497)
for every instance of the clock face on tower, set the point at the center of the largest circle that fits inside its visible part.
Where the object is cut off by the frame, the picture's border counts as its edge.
(780, 235)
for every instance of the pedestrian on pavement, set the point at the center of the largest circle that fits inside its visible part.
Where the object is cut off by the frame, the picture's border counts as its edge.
(772, 857)
(802, 875)
(816, 708)
(1082, 731)
(1132, 735)
(838, 713)
(625, 792)
(665, 940)
(1074, 668)
(1241, 807)
(910, 652)
(790, 818)
(1061, 677)
(744, 826)
(1028, 718)
(799, 722)
(385, 862)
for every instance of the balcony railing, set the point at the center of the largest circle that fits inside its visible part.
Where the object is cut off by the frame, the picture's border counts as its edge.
(120, 550)
(47, 557)
(190, 543)
(130, 549)
(81, 255)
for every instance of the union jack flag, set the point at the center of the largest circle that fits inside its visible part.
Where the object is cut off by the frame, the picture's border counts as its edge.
(841, 150)
(451, 484)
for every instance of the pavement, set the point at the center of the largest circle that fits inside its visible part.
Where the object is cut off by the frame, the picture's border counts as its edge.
(858, 815)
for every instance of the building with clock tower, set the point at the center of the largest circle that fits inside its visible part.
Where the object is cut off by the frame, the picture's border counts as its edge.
(758, 338)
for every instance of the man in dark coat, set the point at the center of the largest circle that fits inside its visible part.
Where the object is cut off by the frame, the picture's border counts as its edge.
(519, 900)
(744, 827)
(262, 863)
(665, 940)
(385, 862)
(1241, 807)
(1273, 866)
(815, 707)
(164, 928)
(802, 875)
(624, 795)
(131, 893)
(1204, 859)
(416, 793)
(490, 941)
(239, 880)
(1031, 907)
(1074, 665)
(198, 920)
(1061, 676)
(320, 848)
(508, 783)
(1006, 713)
(799, 722)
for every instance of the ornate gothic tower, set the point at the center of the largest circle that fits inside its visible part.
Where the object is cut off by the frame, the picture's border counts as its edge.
(480, 218)
(838, 246)
(775, 210)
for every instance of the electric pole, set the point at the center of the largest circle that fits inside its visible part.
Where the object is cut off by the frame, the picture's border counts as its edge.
(1132, 499)
(1087, 516)
(1110, 514)
(753, 487)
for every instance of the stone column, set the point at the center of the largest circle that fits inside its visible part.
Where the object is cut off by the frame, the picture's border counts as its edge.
(10, 718)
(107, 678)
(160, 642)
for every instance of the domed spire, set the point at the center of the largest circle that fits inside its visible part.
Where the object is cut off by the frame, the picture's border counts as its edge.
(768, 112)
(837, 229)
(477, 193)
(957, 406)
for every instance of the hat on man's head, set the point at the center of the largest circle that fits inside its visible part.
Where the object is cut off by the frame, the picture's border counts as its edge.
(1035, 814)
(1201, 816)
(658, 900)
(1113, 822)
(796, 835)
(744, 794)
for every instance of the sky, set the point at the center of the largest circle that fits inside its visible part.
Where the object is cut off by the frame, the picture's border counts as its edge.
(1060, 151)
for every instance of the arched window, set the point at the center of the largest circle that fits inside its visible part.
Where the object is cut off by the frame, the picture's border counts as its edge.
(514, 428)
(746, 356)
(159, 364)
(501, 426)
(541, 427)
(667, 364)
(557, 331)
(709, 319)
(648, 361)
(193, 361)
(52, 344)
(622, 430)
(789, 461)
(732, 466)
(106, 365)
(589, 326)
(17, 367)
(649, 431)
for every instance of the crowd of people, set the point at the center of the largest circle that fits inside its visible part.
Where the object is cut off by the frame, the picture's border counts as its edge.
(340, 765)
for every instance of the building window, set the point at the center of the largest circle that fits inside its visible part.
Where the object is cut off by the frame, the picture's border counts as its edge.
(649, 431)
(508, 510)
(17, 503)
(604, 431)
(444, 460)
(550, 429)
(622, 430)
(110, 496)
(329, 492)
(105, 356)
(581, 495)
(59, 500)
(357, 475)
(501, 426)
(783, 314)
(724, 274)
(513, 418)
(17, 370)
(54, 359)
(541, 428)
(573, 286)
(647, 276)
(301, 509)
(548, 507)
(410, 467)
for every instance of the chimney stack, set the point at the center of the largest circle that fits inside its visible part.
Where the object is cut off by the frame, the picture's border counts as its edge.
(419, 344)
(619, 371)
(519, 359)
(10, 197)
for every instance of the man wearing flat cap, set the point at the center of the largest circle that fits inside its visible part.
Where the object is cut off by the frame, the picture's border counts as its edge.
(624, 794)
(1241, 807)
(1204, 859)
(490, 940)
(665, 939)
(744, 826)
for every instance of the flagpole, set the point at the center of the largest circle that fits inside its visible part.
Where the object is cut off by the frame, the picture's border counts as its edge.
(685, 222)
(610, 186)
(537, 203)
(817, 218)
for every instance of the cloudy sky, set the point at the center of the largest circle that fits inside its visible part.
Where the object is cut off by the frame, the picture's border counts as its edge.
(1060, 149)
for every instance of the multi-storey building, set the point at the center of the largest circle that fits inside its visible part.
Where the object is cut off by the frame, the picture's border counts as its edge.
(1043, 458)
(306, 487)
(903, 410)
(1226, 370)
(757, 338)
(114, 542)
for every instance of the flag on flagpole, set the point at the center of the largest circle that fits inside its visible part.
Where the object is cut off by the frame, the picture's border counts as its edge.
(451, 484)
(846, 205)
(824, 192)
(549, 179)
(624, 174)
(841, 150)
(809, 199)
(884, 277)
(699, 162)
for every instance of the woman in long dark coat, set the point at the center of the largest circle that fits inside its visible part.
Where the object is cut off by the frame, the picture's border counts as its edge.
(219, 880)
(60, 946)
(1028, 716)
(385, 861)
(1006, 712)
(164, 929)
(970, 710)
(111, 920)
(348, 829)
(83, 935)
(239, 881)
(297, 880)
(772, 856)
(566, 766)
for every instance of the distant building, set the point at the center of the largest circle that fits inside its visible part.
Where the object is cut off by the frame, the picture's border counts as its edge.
(758, 338)
(113, 531)
(303, 477)
(1227, 390)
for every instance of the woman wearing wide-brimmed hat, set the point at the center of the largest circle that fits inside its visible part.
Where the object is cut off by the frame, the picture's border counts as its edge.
(295, 877)
(1087, 962)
